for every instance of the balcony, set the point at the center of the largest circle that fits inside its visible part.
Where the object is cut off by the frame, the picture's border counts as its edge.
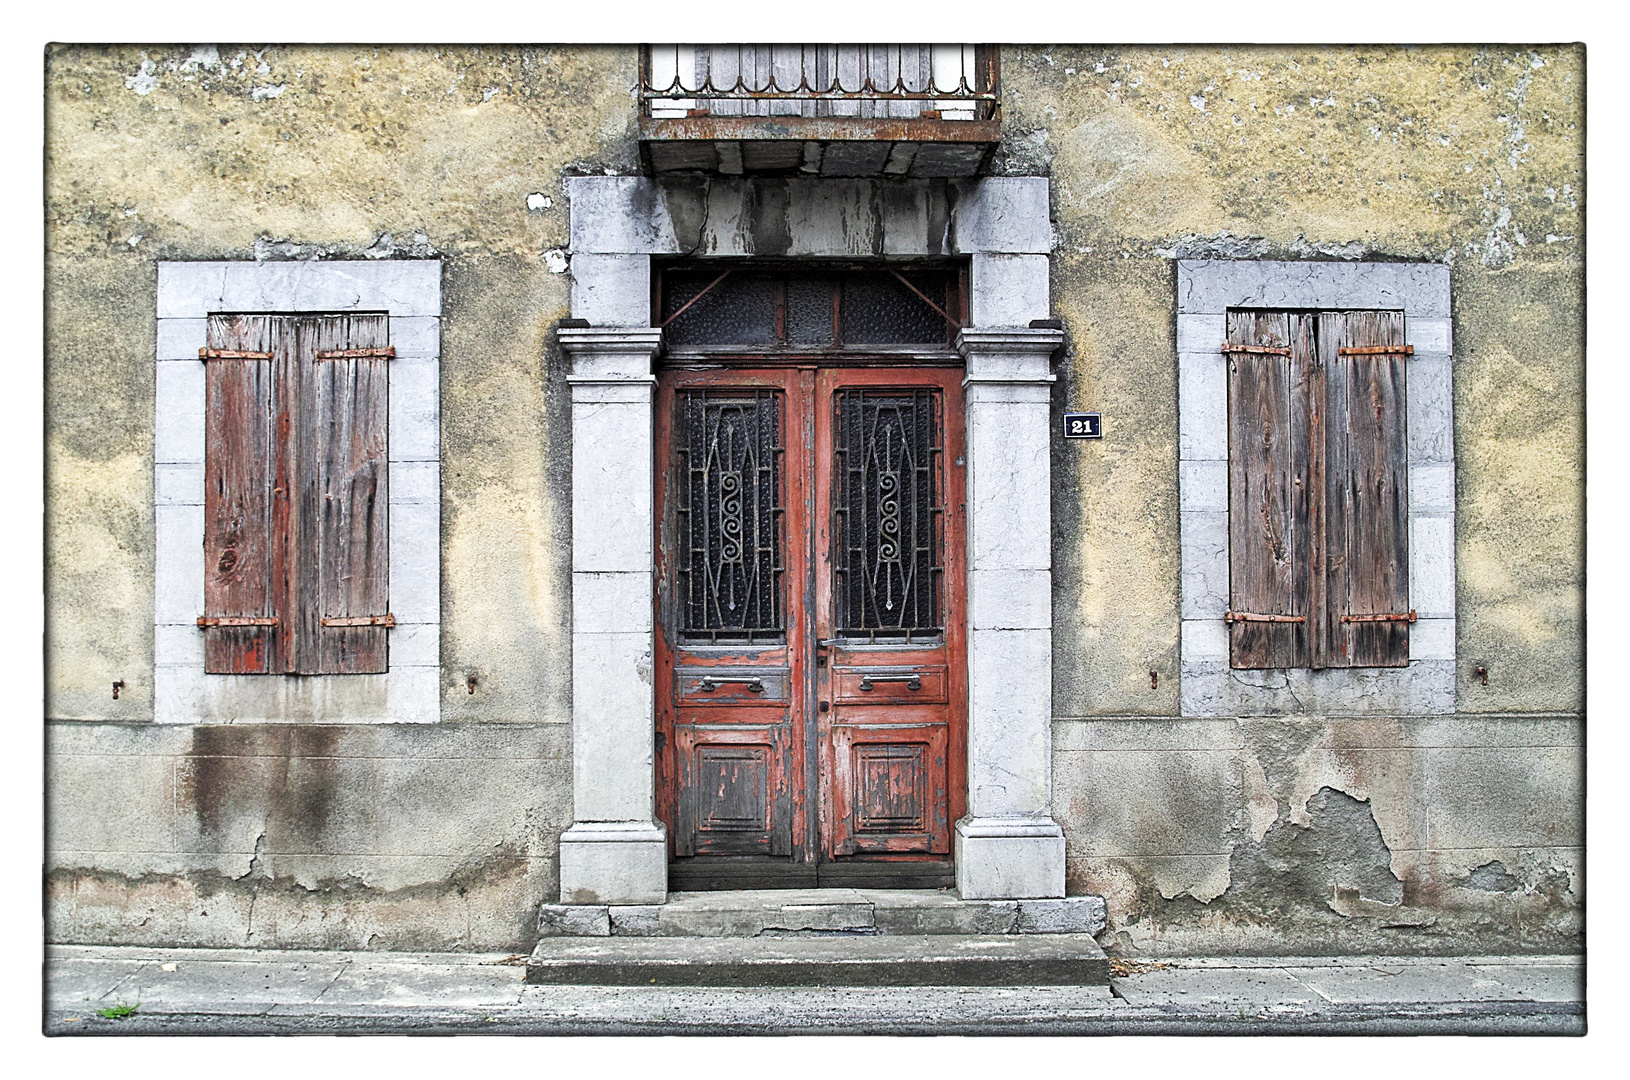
(818, 110)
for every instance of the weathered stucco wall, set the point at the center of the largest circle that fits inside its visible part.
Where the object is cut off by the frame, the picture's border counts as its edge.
(233, 153)
(1300, 833)
(1219, 835)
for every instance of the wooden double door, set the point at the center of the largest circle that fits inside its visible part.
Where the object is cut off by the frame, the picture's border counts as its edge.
(811, 632)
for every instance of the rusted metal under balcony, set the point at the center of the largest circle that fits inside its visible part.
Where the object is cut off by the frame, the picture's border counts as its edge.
(819, 110)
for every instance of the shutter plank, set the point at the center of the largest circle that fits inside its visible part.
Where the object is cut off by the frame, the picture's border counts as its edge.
(1267, 508)
(238, 478)
(348, 528)
(1368, 490)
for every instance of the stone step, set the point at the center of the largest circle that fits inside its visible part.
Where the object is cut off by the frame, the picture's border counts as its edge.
(754, 912)
(820, 960)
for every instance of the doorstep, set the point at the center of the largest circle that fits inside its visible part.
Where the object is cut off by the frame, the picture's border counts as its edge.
(837, 960)
(857, 912)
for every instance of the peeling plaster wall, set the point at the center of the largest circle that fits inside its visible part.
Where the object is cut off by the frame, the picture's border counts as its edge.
(1293, 834)
(1200, 833)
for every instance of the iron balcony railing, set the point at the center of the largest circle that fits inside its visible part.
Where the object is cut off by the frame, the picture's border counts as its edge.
(929, 82)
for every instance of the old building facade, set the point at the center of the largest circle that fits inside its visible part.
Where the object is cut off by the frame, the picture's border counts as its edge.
(481, 478)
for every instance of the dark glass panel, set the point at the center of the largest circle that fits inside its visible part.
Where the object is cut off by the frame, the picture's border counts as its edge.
(879, 310)
(888, 509)
(740, 310)
(729, 516)
(809, 309)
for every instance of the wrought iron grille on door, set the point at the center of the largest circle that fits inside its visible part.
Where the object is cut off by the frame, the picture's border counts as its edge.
(730, 517)
(888, 515)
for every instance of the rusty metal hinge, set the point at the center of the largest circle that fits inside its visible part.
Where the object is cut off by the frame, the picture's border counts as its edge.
(1376, 350)
(232, 354)
(236, 620)
(1269, 350)
(1232, 617)
(387, 353)
(1406, 616)
(386, 619)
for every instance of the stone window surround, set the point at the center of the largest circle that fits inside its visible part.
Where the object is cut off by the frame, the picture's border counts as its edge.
(188, 292)
(1206, 290)
(1009, 845)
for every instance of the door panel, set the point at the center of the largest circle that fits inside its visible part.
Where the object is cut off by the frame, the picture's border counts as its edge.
(919, 684)
(891, 675)
(811, 637)
(735, 790)
(888, 788)
(723, 685)
(732, 499)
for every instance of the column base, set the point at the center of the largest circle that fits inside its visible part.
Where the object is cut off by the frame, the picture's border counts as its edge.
(1009, 858)
(614, 862)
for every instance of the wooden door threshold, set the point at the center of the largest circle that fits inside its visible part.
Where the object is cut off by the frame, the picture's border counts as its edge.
(718, 873)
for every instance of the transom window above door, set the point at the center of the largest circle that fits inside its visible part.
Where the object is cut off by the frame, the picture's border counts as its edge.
(758, 310)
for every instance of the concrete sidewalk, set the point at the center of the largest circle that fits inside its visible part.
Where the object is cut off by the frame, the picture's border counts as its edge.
(250, 991)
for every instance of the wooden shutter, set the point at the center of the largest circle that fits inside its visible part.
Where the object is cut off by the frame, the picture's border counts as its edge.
(1362, 620)
(1268, 527)
(240, 620)
(341, 524)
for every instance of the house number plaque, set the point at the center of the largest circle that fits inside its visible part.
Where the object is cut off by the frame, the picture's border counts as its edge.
(1083, 425)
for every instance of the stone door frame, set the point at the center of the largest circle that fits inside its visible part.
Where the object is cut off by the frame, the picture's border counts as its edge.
(1008, 845)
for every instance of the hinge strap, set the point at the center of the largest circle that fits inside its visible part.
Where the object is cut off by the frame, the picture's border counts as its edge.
(1268, 350)
(1377, 350)
(1232, 617)
(232, 354)
(388, 353)
(236, 620)
(362, 620)
(1406, 616)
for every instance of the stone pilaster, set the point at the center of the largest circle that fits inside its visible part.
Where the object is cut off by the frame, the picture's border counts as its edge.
(615, 851)
(1009, 845)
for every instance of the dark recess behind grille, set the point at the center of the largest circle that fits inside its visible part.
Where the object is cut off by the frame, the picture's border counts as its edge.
(728, 473)
(888, 515)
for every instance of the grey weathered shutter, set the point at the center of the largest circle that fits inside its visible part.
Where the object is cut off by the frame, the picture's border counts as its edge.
(343, 522)
(1269, 358)
(1363, 616)
(241, 623)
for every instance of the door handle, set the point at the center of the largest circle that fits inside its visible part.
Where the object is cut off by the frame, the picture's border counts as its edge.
(913, 681)
(708, 683)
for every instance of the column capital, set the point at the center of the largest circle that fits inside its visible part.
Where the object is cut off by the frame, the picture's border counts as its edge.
(1015, 355)
(612, 353)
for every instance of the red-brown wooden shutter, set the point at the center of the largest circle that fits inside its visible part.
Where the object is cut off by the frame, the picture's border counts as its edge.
(1268, 488)
(240, 620)
(341, 526)
(1364, 612)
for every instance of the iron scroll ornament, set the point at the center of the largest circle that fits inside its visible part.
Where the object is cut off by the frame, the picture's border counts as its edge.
(888, 515)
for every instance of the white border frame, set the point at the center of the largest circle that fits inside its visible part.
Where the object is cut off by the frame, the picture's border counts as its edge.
(1206, 289)
(189, 292)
